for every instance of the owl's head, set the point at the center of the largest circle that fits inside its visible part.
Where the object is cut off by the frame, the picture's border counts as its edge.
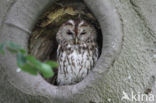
(76, 31)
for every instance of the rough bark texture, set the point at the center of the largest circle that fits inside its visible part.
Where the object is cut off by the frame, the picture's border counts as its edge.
(133, 69)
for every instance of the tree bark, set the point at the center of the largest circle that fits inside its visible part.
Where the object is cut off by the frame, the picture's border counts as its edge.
(127, 63)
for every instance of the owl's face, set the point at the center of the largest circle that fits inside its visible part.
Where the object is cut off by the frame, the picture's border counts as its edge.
(76, 31)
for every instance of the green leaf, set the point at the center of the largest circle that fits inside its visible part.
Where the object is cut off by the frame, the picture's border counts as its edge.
(21, 59)
(2, 52)
(29, 63)
(2, 48)
(33, 61)
(12, 47)
(29, 68)
(46, 70)
(43, 68)
(23, 51)
(52, 64)
(12, 50)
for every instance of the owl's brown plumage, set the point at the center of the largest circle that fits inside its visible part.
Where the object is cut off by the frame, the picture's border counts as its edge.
(77, 52)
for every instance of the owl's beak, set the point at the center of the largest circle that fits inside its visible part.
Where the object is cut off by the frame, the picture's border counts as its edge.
(76, 40)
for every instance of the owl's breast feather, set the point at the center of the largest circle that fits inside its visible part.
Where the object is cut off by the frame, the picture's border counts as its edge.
(75, 63)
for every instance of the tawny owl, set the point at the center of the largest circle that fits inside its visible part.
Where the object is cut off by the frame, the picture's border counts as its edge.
(77, 51)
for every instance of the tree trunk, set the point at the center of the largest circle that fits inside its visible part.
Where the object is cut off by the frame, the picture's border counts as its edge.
(127, 63)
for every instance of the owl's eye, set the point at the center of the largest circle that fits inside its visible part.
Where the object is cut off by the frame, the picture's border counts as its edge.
(83, 33)
(69, 33)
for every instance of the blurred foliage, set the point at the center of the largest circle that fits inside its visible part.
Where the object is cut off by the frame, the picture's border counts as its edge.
(28, 63)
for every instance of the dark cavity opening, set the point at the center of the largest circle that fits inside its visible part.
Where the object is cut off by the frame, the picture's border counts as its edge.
(42, 42)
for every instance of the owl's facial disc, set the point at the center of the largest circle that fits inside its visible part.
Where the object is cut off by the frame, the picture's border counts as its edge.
(76, 32)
